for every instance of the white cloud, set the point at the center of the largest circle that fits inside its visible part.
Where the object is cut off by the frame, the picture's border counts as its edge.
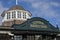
(28, 0)
(55, 4)
(36, 5)
(44, 9)
(10, 1)
(2, 8)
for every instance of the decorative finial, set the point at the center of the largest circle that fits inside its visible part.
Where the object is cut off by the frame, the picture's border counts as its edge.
(16, 2)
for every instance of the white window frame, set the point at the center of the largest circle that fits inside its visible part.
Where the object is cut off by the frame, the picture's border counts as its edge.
(18, 14)
(14, 14)
(24, 15)
(8, 15)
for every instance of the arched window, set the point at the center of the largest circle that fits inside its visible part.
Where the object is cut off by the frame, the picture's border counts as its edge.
(8, 15)
(14, 14)
(18, 14)
(24, 15)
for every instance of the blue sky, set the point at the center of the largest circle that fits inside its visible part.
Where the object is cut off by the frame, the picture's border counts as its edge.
(47, 9)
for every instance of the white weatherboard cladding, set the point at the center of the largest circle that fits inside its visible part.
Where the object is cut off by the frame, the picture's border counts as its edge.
(22, 11)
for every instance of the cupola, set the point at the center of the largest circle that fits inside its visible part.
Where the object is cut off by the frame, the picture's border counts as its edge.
(17, 13)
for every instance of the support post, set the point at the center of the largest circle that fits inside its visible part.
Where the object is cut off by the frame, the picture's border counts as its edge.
(46, 37)
(55, 38)
(41, 37)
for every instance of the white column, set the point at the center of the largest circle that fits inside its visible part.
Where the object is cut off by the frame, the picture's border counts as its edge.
(21, 15)
(5, 17)
(27, 15)
(16, 14)
(54, 38)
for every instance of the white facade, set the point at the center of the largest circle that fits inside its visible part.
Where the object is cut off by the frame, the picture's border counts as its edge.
(16, 15)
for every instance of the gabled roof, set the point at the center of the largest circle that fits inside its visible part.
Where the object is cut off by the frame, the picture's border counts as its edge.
(44, 26)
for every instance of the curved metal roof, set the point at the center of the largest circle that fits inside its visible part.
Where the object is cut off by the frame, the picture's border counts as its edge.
(39, 27)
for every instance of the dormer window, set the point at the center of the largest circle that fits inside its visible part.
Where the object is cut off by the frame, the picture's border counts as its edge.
(18, 14)
(8, 15)
(14, 14)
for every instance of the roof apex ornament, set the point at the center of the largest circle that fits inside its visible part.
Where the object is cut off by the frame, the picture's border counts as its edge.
(16, 2)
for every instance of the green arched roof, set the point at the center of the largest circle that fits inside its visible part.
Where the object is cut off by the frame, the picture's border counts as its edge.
(37, 24)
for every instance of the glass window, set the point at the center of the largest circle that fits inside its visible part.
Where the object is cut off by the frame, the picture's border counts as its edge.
(30, 37)
(38, 37)
(24, 37)
(14, 14)
(19, 14)
(24, 15)
(18, 37)
(8, 15)
(49, 37)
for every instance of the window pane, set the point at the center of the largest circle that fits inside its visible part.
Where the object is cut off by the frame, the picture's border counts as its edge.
(8, 15)
(14, 14)
(24, 15)
(30, 37)
(19, 14)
